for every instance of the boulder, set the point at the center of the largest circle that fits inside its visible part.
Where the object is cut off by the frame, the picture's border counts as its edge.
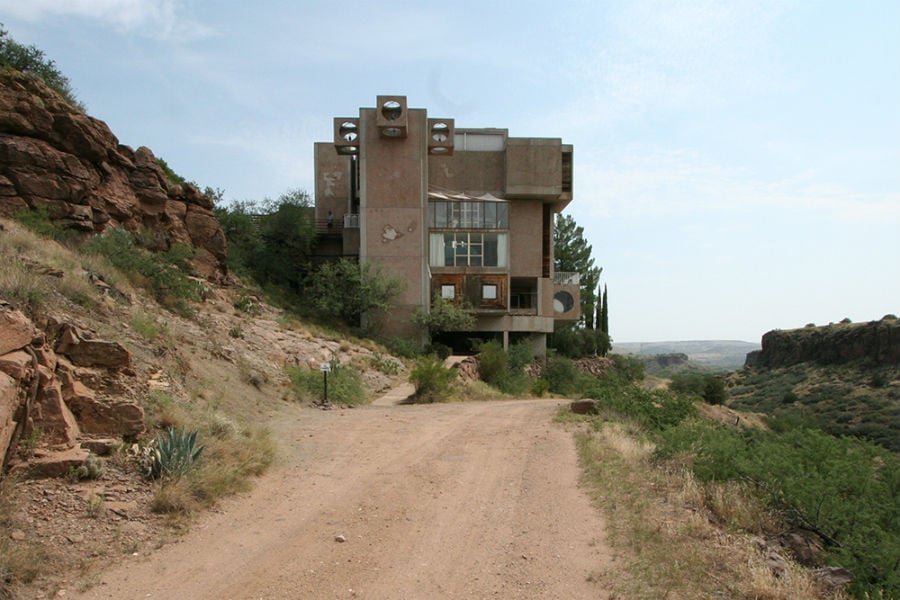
(53, 417)
(16, 330)
(583, 407)
(16, 364)
(85, 352)
(9, 403)
(51, 464)
(94, 416)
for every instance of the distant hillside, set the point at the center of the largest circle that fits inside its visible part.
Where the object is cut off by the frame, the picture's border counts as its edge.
(713, 354)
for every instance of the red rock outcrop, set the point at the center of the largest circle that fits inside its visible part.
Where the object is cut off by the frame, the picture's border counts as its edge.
(52, 156)
(40, 391)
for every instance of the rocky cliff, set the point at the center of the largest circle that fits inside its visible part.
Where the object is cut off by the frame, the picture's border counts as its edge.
(55, 157)
(876, 341)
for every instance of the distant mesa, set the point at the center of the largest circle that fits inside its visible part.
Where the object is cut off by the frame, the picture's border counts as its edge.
(877, 342)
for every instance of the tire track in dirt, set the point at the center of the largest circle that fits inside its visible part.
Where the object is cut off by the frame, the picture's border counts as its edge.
(470, 500)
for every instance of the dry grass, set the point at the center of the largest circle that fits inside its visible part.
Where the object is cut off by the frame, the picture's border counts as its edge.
(21, 561)
(231, 456)
(652, 510)
(42, 274)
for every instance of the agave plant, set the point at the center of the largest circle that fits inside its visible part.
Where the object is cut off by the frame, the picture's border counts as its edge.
(175, 453)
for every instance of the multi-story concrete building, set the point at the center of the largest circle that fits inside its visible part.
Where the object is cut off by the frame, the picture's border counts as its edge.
(464, 214)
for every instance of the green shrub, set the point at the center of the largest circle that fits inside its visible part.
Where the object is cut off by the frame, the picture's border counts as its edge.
(38, 220)
(344, 385)
(844, 490)
(503, 369)
(540, 387)
(431, 379)
(166, 274)
(629, 367)
(175, 453)
(31, 60)
(403, 347)
(563, 377)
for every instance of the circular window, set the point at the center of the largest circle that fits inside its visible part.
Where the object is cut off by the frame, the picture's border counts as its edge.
(349, 131)
(563, 302)
(439, 132)
(391, 110)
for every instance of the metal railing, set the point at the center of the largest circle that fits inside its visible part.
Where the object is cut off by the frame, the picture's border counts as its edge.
(566, 278)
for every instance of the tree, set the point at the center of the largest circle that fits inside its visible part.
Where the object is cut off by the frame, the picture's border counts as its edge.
(347, 290)
(445, 316)
(273, 240)
(604, 312)
(571, 252)
(31, 60)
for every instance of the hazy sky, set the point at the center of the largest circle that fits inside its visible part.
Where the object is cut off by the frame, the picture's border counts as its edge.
(737, 163)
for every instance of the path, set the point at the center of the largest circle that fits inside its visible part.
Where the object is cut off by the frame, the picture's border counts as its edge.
(468, 500)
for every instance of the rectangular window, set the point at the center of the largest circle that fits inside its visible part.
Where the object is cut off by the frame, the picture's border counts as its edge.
(463, 214)
(448, 292)
(467, 249)
(489, 292)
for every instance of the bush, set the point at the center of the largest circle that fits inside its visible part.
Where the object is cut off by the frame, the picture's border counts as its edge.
(573, 342)
(32, 61)
(503, 369)
(348, 291)
(709, 387)
(563, 377)
(844, 490)
(166, 274)
(344, 385)
(432, 379)
(492, 362)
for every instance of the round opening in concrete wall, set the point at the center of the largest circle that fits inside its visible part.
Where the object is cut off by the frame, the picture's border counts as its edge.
(391, 110)
(349, 131)
(439, 132)
(439, 151)
(563, 302)
(392, 132)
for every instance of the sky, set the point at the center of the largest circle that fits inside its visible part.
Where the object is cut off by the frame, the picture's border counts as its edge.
(736, 163)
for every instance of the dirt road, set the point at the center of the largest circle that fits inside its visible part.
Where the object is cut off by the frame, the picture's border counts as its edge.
(470, 500)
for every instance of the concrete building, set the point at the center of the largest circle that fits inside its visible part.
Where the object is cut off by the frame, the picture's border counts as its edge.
(466, 214)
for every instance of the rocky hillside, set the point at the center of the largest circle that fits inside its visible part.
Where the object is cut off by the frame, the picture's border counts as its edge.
(876, 342)
(842, 378)
(56, 158)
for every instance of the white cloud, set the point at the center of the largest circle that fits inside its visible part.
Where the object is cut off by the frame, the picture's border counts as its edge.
(163, 19)
(644, 180)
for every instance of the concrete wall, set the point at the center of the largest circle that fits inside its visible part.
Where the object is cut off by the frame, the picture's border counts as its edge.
(393, 196)
(332, 181)
(470, 172)
(534, 168)
(525, 230)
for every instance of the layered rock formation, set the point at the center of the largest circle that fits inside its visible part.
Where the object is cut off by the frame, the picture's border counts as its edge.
(877, 342)
(54, 157)
(43, 393)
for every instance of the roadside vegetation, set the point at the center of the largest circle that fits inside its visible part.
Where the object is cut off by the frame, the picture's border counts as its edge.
(668, 477)
(845, 400)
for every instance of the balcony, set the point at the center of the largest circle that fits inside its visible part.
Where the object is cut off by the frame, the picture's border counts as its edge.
(566, 278)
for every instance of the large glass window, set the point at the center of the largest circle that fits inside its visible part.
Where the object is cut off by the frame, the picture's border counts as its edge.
(463, 214)
(467, 249)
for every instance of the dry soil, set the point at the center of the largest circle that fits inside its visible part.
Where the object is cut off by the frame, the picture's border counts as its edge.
(466, 500)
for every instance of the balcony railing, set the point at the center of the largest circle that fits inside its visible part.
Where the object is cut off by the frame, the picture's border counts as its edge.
(566, 278)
